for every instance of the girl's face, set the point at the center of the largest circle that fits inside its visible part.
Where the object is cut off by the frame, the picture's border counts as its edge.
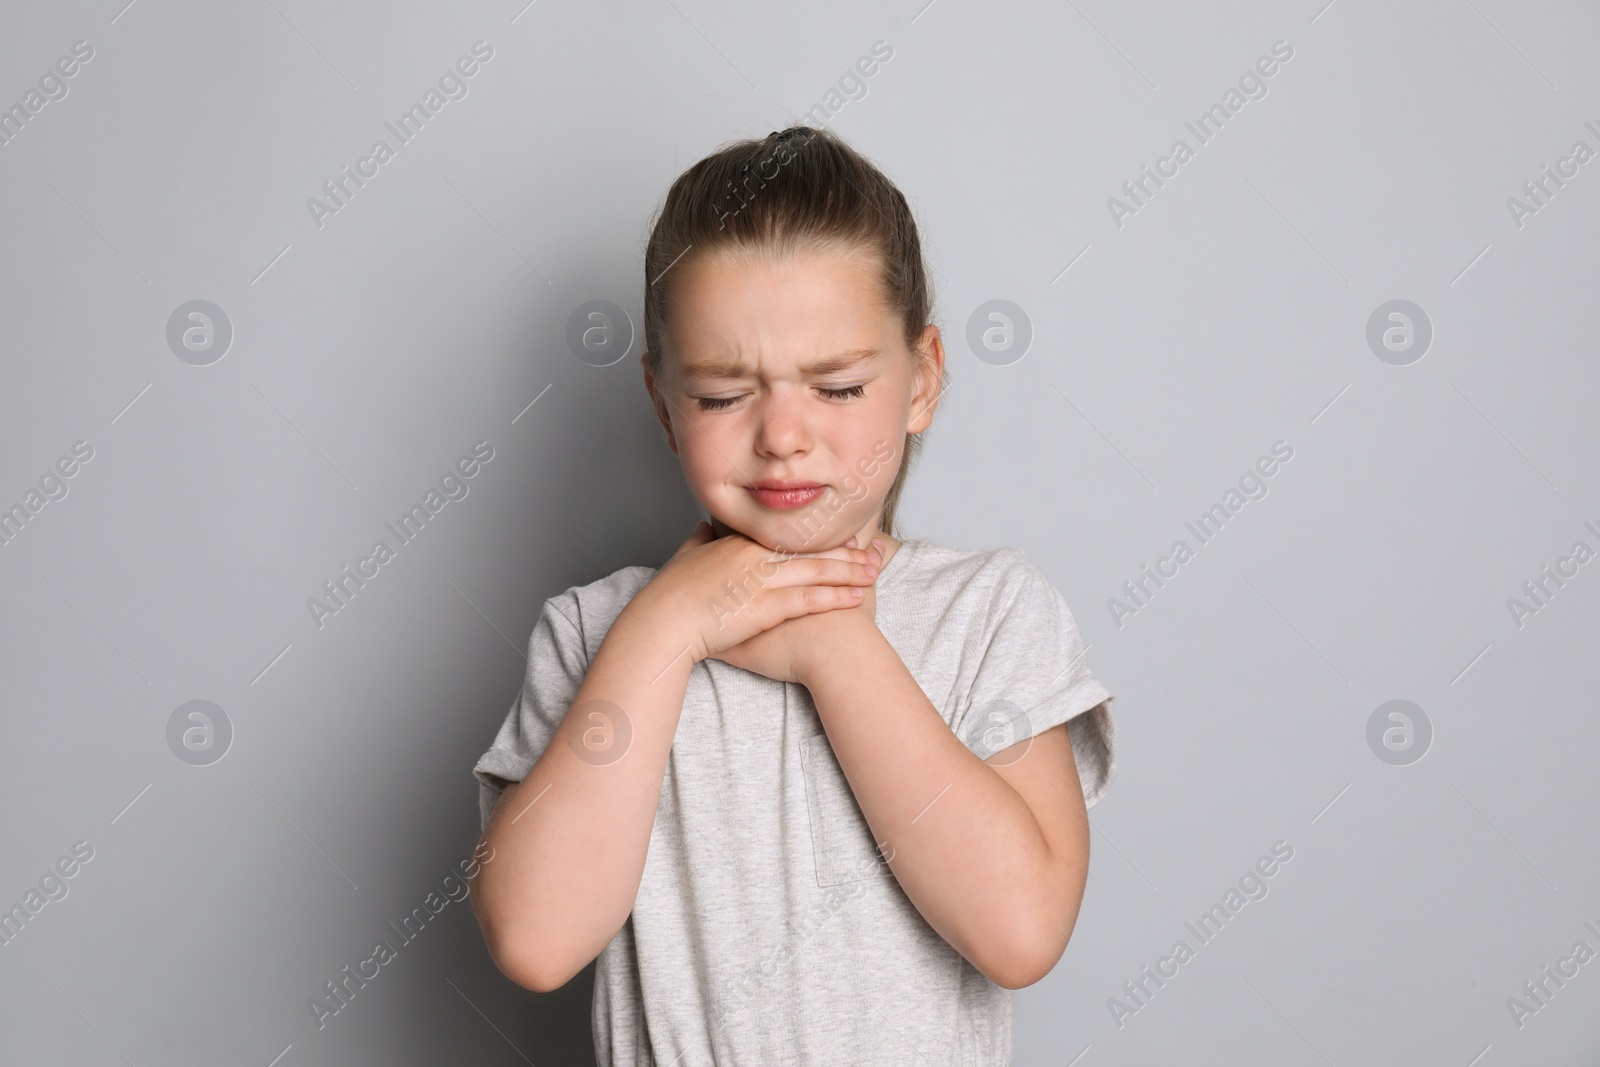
(789, 371)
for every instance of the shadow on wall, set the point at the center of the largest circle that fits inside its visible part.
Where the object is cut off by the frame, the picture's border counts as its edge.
(590, 487)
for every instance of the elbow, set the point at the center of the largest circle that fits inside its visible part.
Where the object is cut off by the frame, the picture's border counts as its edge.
(538, 981)
(517, 952)
(538, 951)
(530, 970)
(1042, 920)
(1020, 969)
(1029, 950)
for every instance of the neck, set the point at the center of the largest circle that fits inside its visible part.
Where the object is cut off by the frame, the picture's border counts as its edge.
(863, 538)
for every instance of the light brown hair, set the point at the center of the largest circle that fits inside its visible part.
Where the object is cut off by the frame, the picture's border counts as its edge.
(798, 188)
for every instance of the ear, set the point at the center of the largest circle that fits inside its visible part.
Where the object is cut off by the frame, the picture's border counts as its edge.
(658, 402)
(929, 378)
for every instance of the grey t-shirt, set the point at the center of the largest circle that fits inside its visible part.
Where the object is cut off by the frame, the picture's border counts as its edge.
(767, 929)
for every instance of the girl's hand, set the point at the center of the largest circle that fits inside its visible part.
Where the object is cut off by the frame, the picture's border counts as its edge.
(789, 649)
(721, 591)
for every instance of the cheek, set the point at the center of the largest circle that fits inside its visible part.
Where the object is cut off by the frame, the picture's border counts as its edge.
(704, 446)
(881, 420)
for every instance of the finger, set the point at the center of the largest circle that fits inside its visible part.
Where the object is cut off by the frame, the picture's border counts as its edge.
(702, 534)
(795, 601)
(824, 570)
(853, 555)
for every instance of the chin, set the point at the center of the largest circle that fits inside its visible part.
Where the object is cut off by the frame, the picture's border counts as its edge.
(775, 532)
(768, 534)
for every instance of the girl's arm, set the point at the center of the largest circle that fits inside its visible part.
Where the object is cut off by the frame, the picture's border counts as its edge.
(994, 855)
(568, 842)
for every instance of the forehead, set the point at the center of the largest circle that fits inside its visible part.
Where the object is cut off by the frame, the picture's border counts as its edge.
(776, 309)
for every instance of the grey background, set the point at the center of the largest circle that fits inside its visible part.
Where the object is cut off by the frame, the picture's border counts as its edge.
(369, 354)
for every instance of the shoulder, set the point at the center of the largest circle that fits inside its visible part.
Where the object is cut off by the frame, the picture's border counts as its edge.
(980, 591)
(989, 573)
(590, 609)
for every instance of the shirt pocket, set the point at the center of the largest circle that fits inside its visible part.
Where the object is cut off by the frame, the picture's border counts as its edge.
(841, 840)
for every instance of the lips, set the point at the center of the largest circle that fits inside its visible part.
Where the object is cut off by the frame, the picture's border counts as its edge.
(785, 494)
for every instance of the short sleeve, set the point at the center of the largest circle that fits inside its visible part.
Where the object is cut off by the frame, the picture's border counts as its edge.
(557, 662)
(1032, 675)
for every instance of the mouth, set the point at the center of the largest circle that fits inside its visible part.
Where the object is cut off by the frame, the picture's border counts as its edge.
(785, 494)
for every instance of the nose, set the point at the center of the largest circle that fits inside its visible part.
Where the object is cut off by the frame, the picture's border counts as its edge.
(781, 426)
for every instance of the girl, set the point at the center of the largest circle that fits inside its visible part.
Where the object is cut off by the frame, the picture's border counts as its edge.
(812, 793)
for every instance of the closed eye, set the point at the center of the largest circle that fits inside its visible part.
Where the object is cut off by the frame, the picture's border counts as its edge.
(718, 403)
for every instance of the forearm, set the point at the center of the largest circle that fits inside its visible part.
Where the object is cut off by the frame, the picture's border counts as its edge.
(962, 842)
(569, 840)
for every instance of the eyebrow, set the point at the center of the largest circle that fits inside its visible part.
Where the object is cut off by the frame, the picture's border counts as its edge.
(737, 368)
